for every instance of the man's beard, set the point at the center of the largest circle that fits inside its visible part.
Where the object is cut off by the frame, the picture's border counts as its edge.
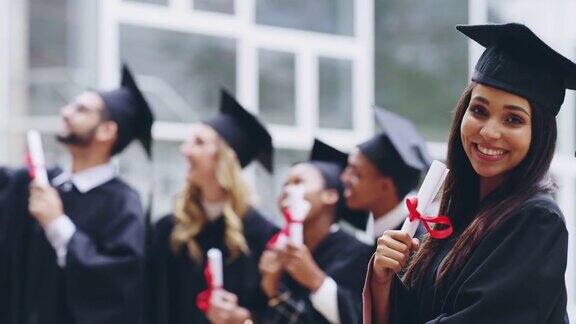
(76, 139)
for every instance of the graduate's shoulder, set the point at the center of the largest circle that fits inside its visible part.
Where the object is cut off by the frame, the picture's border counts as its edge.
(541, 206)
(255, 222)
(538, 213)
(347, 244)
(164, 224)
(10, 175)
(120, 189)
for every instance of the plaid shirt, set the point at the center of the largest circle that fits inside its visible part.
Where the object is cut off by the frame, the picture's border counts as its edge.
(287, 309)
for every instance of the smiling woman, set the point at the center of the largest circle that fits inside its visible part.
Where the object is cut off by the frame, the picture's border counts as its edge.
(496, 133)
(510, 240)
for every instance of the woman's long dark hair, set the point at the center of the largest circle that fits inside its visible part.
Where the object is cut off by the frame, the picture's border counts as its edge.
(461, 196)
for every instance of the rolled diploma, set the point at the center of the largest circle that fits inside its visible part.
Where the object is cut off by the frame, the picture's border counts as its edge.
(430, 187)
(215, 264)
(36, 153)
(299, 212)
(299, 209)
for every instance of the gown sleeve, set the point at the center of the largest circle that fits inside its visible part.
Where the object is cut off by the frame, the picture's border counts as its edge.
(104, 277)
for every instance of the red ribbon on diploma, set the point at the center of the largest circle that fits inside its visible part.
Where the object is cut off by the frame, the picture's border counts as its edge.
(285, 230)
(412, 204)
(30, 165)
(203, 298)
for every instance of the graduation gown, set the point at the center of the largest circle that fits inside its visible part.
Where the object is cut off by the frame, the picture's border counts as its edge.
(103, 277)
(515, 275)
(174, 281)
(5, 176)
(342, 257)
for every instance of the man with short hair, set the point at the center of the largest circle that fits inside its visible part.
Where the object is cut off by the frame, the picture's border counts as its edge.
(75, 249)
(383, 171)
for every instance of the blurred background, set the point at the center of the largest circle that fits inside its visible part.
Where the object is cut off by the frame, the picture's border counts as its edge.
(308, 68)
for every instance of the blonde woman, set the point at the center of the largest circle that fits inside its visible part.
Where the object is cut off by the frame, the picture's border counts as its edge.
(212, 211)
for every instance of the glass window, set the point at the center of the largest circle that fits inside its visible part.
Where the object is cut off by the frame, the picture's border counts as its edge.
(158, 2)
(168, 170)
(335, 93)
(421, 67)
(62, 52)
(55, 153)
(277, 93)
(221, 6)
(523, 12)
(180, 73)
(268, 187)
(325, 16)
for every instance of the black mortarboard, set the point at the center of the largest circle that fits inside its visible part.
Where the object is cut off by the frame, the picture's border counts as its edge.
(331, 163)
(129, 109)
(242, 132)
(517, 61)
(399, 151)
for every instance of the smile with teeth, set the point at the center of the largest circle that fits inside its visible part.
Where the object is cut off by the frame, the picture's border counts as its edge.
(488, 151)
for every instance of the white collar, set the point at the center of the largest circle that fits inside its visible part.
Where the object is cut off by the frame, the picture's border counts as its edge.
(392, 219)
(88, 179)
(334, 228)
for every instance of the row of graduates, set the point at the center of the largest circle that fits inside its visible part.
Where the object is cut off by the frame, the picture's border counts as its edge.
(75, 251)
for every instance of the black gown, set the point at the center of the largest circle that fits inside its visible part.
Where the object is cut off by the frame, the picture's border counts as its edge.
(344, 259)
(174, 281)
(102, 281)
(5, 176)
(515, 275)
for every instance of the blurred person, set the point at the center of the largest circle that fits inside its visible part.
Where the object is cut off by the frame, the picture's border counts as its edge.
(319, 281)
(383, 171)
(506, 259)
(73, 252)
(212, 211)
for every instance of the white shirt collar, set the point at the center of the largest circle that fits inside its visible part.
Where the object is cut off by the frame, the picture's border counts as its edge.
(392, 219)
(88, 179)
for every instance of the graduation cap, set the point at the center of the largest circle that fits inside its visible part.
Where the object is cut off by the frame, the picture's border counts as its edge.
(129, 109)
(331, 163)
(243, 132)
(517, 61)
(399, 151)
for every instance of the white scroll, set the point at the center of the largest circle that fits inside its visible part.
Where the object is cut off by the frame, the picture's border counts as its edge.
(215, 264)
(36, 162)
(428, 191)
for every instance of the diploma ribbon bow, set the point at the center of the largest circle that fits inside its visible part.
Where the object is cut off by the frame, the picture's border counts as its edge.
(203, 298)
(285, 232)
(412, 204)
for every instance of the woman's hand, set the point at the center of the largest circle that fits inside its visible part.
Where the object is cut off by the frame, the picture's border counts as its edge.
(224, 309)
(271, 267)
(392, 253)
(301, 266)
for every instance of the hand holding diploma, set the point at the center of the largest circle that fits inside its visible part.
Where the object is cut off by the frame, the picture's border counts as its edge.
(214, 276)
(219, 305)
(418, 205)
(44, 203)
(395, 247)
(295, 208)
(298, 208)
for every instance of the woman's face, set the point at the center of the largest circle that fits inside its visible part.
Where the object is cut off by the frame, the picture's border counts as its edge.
(310, 178)
(496, 131)
(200, 150)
